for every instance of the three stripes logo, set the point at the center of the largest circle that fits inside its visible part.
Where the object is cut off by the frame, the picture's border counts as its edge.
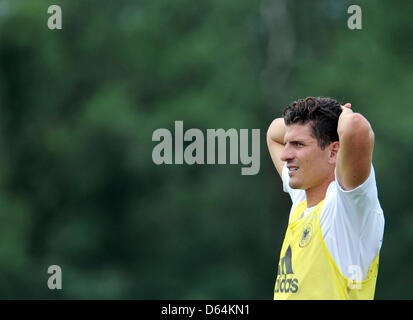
(286, 282)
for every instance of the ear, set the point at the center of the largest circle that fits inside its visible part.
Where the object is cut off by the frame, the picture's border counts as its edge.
(333, 151)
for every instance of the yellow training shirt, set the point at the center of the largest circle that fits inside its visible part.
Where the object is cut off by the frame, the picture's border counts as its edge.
(306, 270)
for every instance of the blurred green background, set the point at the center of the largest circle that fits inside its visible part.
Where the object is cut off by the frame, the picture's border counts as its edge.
(78, 107)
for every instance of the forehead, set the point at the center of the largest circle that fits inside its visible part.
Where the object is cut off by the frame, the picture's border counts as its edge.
(297, 132)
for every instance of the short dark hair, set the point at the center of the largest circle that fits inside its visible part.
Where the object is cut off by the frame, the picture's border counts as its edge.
(322, 113)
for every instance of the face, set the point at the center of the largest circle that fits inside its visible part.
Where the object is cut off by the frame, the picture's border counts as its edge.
(309, 166)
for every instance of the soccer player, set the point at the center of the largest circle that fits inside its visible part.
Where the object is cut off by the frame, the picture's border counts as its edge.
(323, 153)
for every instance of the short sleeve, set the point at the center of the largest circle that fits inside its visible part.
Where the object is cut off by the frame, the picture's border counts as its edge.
(359, 203)
(353, 224)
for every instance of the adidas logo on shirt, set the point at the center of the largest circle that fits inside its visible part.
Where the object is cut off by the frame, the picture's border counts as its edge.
(285, 277)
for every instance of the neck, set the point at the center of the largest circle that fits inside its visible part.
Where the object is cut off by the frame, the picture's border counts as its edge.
(315, 194)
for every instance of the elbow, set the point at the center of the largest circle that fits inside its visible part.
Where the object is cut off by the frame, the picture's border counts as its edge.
(274, 127)
(355, 127)
(269, 129)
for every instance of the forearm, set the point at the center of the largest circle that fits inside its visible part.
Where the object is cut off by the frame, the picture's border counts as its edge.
(276, 131)
(275, 142)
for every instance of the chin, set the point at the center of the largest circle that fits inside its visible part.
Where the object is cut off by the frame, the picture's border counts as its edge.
(295, 185)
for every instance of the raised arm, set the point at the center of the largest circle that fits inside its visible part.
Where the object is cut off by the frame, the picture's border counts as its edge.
(356, 148)
(275, 142)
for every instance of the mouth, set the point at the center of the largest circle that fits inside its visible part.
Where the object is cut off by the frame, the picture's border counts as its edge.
(292, 170)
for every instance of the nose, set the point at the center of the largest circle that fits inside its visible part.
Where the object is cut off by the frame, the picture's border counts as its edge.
(287, 154)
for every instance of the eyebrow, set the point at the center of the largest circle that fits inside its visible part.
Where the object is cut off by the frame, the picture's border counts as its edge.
(295, 141)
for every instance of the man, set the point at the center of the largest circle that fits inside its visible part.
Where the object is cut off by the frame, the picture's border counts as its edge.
(323, 153)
